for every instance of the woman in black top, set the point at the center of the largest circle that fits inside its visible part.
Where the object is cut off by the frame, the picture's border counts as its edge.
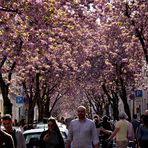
(52, 137)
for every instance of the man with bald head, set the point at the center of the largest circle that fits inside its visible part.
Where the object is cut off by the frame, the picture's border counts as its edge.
(82, 131)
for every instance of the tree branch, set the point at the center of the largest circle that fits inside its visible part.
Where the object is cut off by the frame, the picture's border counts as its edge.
(3, 61)
(8, 10)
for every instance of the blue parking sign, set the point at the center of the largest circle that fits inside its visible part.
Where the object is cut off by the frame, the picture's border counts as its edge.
(138, 93)
(20, 100)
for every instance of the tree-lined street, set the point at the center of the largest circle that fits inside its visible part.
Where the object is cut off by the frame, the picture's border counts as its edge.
(60, 53)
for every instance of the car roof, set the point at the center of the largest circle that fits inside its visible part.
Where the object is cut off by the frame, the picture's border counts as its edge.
(36, 130)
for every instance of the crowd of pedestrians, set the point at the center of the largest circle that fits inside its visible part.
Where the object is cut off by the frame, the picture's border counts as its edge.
(99, 132)
(120, 134)
(123, 133)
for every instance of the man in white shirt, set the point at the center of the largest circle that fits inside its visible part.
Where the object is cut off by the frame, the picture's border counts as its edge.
(82, 132)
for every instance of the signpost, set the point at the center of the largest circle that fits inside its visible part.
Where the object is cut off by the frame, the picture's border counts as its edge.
(139, 98)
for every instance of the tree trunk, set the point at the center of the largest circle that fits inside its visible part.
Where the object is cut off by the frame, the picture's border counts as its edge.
(46, 110)
(107, 109)
(6, 101)
(41, 108)
(113, 101)
(7, 106)
(30, 114)
(126, 108)
(123, 95)
(115, 111)
(5, 87)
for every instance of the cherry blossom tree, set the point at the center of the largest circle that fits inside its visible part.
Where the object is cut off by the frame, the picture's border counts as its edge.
(53, 44)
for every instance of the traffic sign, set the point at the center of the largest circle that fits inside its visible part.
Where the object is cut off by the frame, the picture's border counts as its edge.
(20, 100)
(138, 93)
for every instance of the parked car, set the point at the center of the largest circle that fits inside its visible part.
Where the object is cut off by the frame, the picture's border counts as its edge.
(32, 136)
(45, 126)
(41, 126)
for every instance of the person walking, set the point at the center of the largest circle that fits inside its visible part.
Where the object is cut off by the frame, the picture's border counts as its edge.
(131, 135)
(6, 140)
(142, 132)
(82, 132)
(96, 120)
(106, 129)
(17, 135)
(135, 122)
(121, 131)
(52, 137)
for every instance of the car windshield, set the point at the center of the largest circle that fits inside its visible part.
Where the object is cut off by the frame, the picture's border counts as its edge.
(30, 136)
